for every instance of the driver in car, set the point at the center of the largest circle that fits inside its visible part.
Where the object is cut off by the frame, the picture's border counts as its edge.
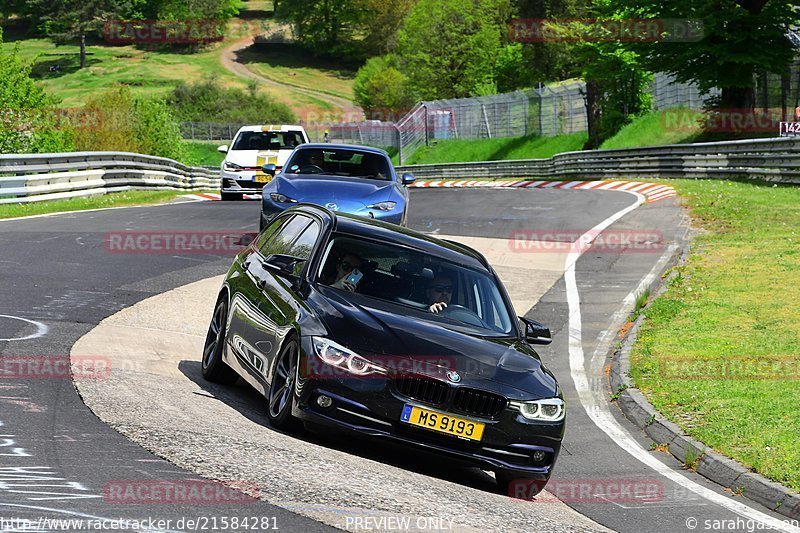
(440, 290)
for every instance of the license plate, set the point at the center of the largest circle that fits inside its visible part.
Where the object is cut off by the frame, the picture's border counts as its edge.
(442, 422)
(263, 179)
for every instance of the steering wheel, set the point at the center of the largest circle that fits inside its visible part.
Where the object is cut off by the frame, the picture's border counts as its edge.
(459, 312)
(311, 169)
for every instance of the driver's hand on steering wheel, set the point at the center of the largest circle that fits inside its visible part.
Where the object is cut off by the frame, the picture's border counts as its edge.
(438, 307)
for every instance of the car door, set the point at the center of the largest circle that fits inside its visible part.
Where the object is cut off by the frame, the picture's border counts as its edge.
(273, 305)
(253, 328)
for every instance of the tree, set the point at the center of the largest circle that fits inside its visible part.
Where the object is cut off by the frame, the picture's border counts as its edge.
(28, 121)
(64, 20)
(448, 48)
(553, 60)
(323, 26)
(735, 40)
(381, 89)
(381, 20)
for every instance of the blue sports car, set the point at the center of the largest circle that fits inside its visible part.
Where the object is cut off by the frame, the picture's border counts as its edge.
(349, 179)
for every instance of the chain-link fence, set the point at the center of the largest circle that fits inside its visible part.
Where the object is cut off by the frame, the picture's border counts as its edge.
(547, 111)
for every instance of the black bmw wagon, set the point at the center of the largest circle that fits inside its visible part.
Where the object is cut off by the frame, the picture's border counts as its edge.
(388, 333)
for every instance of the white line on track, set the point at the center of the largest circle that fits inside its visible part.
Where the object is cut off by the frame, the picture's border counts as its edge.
(597, 408)
(41, 329)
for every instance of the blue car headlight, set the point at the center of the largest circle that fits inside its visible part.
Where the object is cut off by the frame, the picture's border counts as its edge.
(383, 206)
(281, 198)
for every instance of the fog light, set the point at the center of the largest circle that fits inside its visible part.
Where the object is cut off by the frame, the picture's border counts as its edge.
(325, 401)
(539, 456)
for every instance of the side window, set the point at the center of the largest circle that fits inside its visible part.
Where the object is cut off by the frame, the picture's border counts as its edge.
(304, 244)
(282, 241)
(266, 236)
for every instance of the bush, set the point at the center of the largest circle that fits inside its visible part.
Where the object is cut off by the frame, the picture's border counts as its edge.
(208, 101)
(380, 88)
(124, 123)
(28, 120)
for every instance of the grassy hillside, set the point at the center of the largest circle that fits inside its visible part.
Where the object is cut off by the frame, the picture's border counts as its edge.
(531, 147)
(670, 126)
(159, 71)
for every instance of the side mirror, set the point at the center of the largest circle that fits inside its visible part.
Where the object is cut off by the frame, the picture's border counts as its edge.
(223, 149)
(269, 169)
(536, 333)
(283, 265)
(408, 179)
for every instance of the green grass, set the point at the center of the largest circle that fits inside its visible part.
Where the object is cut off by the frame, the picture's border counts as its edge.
(155, 72)
(531, 147)
(202, 154)
(287, 63)
(91, 202)
(737, 302)
(670, 126)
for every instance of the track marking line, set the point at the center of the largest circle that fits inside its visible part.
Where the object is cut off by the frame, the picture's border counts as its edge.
(653, 192)
(41, 329)
(597, 409)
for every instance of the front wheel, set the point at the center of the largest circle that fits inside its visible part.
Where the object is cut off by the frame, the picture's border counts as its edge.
(213, 367)
(281, 391)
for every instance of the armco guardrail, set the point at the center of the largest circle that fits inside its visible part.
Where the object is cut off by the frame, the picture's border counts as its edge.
(768, 159)
(38, 177)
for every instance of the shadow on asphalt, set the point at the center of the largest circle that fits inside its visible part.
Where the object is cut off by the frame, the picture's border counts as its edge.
(252, 406)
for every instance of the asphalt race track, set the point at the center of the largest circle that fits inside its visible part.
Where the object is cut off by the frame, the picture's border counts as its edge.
(58, 460)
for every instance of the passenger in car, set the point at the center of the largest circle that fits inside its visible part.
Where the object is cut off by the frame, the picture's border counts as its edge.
(345, 265)
(440, 291)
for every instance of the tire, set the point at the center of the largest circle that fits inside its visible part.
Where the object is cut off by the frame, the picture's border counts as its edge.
(213, 367)
(518, 486)
(280, 398)
(231, 196)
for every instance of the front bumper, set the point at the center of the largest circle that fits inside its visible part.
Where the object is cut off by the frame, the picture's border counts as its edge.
(372, 407)
(240, 182)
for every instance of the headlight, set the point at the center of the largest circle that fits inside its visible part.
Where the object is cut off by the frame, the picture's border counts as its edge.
(383, 206)
(548, 410)
(281, 198)
(231, 167)
(340, 357)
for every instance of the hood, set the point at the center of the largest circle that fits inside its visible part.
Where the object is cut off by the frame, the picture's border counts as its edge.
(257, 158)
(357, 192)
(403, 338)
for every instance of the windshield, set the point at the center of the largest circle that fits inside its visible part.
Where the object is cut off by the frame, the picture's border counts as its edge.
(444, 291)
(267, 140)
(339, 162)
